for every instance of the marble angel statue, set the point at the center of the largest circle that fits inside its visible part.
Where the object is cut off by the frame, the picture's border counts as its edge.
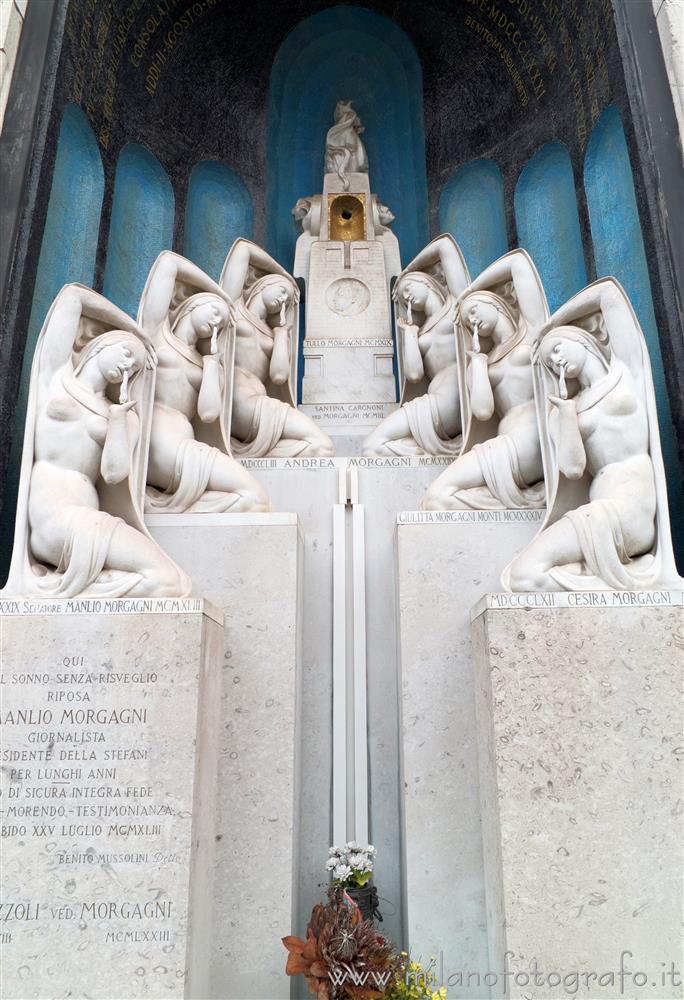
(265, 419)
(428, 421)
(188, 319)
(607, 524)
(500, 465)
(344, 151)
(79, 525)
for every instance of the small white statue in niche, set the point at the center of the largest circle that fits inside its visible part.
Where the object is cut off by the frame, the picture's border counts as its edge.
(79, 526)
(189, 320)
(344, 151)
(428, 421)
(607, 524)
(265, 418)
(500, 465)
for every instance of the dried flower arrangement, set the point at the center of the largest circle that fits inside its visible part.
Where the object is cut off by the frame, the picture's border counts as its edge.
(343, 955)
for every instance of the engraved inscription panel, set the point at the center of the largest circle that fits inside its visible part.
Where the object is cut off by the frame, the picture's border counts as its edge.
(99, 725)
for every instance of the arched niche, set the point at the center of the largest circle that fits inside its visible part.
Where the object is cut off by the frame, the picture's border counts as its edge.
(548, 224)
(473, 210)
(141, 225)
(218, 209)
(618, 245)
(67, 253)
(618, 248)
(355, 54)
(69, 245)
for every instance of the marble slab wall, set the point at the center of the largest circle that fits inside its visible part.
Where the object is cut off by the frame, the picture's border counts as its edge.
(250, 565)
(445, 561)
(109, 752)
(580, 729)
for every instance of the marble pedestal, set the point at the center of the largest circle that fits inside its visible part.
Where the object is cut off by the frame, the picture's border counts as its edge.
(355, 370)
(446, 561)
(248, 565)
(579, 720)
(109, 749)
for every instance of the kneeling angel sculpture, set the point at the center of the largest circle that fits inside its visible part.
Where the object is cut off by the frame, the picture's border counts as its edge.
(428, 421)
(265, 418)
(497, 318)
(79, 527)
(189, 320)
(607, 525)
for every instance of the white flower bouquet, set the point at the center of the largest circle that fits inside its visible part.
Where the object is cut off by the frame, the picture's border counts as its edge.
(352, 864)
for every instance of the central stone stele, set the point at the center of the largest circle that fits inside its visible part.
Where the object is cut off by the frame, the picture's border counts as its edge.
(347, 256)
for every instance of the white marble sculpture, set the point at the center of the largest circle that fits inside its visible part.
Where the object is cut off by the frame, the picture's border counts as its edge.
(500, 465)
(307, 215)
(428, 421)
(307, 212)
(79, 527)
(265, 419)
(383, 217)
(344, 151)
(188, 319)
(607, 525)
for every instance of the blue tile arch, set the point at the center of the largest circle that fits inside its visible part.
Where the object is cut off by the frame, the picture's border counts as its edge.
(141, 225)
(218, 210)
(67, 253)
(313, 69)
(547, 221)
(618, 248)
(472, 208)
(72, 223)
